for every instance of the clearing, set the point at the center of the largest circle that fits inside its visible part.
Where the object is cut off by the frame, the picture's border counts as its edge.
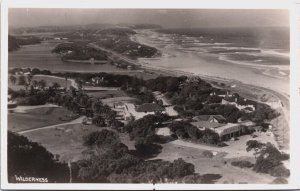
(38, 117)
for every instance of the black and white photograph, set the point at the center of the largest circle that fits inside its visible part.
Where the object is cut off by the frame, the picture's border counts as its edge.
(148, 96)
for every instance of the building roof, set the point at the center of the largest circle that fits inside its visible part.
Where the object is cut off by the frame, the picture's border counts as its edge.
(149, 107)
(209, 117)
(227, 128)
(206, 124)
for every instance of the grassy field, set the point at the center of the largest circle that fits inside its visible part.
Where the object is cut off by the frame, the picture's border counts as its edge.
(38, 117)
(52, 79)
(107, 94)
(67, 140)
(217, 165)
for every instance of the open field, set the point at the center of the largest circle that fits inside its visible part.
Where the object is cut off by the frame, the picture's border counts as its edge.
(217, 165)
(52, 79)
(67, 140)
(38, 117)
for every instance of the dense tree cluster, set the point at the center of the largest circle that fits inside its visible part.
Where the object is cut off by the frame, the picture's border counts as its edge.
(112, 163)
(29, 159)
(185, 130)
(14, 43)
(269, 159)
(78, 51)
(143, 132)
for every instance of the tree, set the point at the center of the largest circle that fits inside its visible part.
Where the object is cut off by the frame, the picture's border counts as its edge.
(22, 80)
(55, 85)
(42, 84)
(13, 79)
(99, 121)
(29, 159)
(254, 145)
(29, 78)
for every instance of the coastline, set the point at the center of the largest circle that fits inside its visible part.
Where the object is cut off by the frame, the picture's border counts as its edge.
(276, 96)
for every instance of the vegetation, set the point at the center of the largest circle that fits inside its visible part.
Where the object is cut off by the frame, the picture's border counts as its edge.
(242, 164)
(111, 163)
(185, 130)
(143, 132)
(29, 159)
(118, 40)
(208, 154)
(78, 51)
(269, 159)
(14, 43)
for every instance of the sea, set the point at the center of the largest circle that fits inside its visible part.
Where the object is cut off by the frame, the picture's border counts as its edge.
(258, 55)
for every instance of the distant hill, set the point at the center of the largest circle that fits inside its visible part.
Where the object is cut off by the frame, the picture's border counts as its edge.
(15, 42)
(145, 26)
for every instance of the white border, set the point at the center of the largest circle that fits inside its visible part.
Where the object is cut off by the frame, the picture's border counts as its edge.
(150, 4)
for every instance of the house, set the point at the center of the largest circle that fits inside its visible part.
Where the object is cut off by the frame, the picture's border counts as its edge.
(149, 107)
(210, 118)
(241, 104)
(133, 112)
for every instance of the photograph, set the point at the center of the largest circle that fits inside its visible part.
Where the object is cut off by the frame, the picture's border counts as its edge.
(148, 96)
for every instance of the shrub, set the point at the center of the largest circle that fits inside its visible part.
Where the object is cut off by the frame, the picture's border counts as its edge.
(242, 164)
(279, 180)
(280, 171)
(208, 154)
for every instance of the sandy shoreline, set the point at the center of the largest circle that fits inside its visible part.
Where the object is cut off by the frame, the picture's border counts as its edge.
(247, 80)
(275, 77)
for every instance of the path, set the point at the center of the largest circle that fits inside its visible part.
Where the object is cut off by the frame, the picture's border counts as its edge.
(76, 121)
(231, 153)
(23, 109)
(73, 83)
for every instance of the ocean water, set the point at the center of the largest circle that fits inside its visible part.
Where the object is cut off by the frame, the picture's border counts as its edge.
(257, 46)
(257, 56)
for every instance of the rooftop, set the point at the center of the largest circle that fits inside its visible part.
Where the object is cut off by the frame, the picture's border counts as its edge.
(206, 124)
(209, 117)
(149, 107)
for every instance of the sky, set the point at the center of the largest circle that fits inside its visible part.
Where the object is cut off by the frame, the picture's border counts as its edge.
(168, 18)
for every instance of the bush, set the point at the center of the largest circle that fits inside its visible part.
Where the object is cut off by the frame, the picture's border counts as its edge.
(208, 154)
(280, 171)
(280, 180)
(242, 164)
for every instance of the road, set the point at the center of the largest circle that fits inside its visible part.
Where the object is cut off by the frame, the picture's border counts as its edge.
(76, 121)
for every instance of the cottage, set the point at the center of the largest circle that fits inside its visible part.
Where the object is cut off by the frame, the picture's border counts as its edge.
(131, 111)
(210, 118)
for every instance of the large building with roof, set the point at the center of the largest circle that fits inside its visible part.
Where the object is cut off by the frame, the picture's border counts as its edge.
(136, 112)
(217, 124)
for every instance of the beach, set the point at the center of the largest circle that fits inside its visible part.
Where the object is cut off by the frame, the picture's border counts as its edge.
(263, 83)
(274, 77)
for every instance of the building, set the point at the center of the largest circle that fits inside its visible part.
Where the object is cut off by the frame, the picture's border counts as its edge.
(240, 105)
(210, 118)
(149, 107)
(133, 112)
(224, 130)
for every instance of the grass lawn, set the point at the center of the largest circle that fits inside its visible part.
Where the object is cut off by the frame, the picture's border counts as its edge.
(67, 140)
(38, 117)
(52, 79)
(217, 165)
(107, 94)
